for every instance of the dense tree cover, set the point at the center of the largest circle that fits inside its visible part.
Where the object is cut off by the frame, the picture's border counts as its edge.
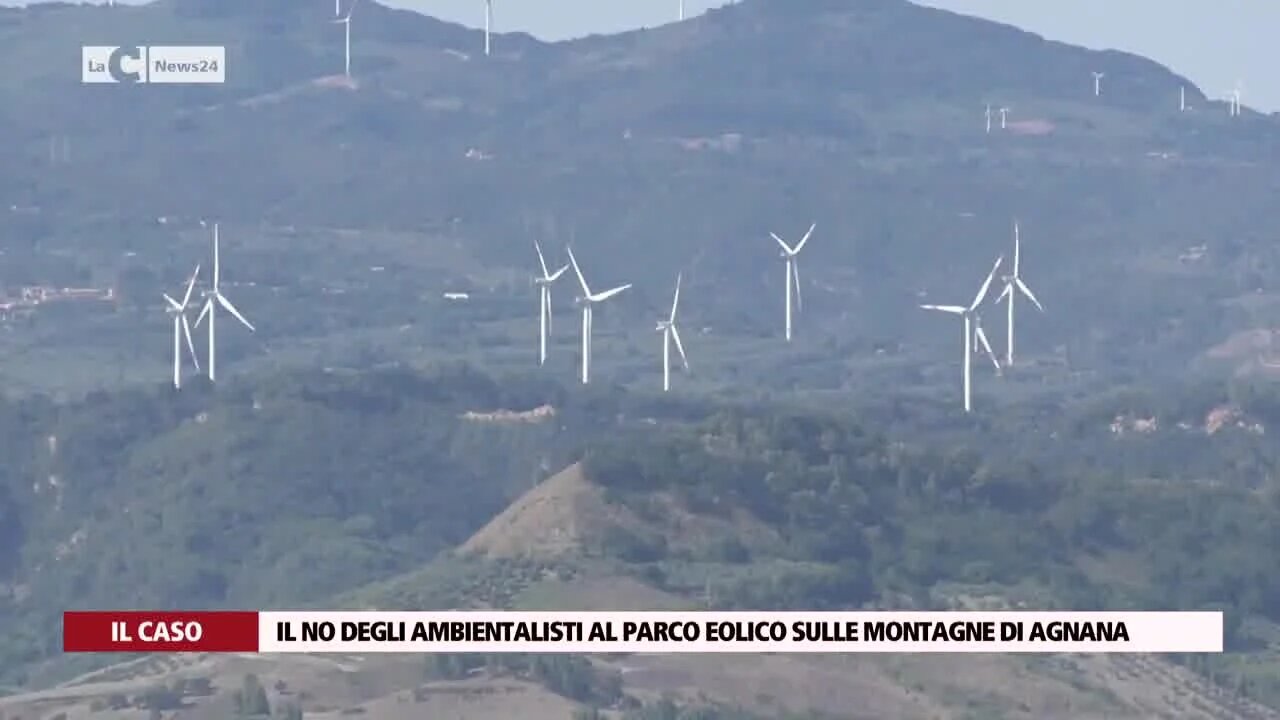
(282, 492)
(570, 676)
(885, 518)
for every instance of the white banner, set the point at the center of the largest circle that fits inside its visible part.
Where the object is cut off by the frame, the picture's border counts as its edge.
(739, 632)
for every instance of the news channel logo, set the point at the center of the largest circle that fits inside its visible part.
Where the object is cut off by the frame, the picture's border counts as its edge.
(154, 64)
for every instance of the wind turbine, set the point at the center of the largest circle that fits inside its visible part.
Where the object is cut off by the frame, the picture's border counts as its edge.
(968, 313)
(214, 297)
(180, 327)
(1004, 114)
(488, 23)
(988, 118)
(1182, 98)
(346, 23)
(669, 332)
(793, 276)
(588, 302)
(544, 302)
(1097, 83)
(1235, 99)
(1012, 286)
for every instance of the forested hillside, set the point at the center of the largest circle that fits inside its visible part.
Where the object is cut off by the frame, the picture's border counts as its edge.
(306, 486)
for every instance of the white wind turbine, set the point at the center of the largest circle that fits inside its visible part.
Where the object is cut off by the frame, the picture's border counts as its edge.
(793, 276)
(544, 302)
(669, 332)
(1004, 116)
(1097, 83)
(488, 23)
(1234, 108)
(988, 118)
(214, 297)
(1012, 286)
(180, 327)
(970, 336)
(346, 24)
(588, 302)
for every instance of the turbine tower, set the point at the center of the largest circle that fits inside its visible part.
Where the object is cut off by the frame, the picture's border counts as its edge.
(793, 276)
(1004, 115)
(180, 327)
(346, 23)
(1097, 83)
(588, 302)
(968, 314)
(488, 23)
(988, 118)
(544, 302)
(669, 332)
(682, 10)
(1012, 286)
(214, 297)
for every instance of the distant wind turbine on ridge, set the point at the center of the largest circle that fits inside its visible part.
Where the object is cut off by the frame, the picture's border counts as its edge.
(346, 23)
(588, 302)
(1012, 286)
(1097, 83)
(1004, 116)
(669, 332)
(180, 328)
(793, 275)
(971, 338)
(214, 297)
(488, 24)
(544, 302)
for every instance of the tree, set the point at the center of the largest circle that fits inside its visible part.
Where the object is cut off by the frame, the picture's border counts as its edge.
(251, 698)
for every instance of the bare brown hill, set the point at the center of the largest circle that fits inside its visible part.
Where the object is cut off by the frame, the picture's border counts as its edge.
(569, 515)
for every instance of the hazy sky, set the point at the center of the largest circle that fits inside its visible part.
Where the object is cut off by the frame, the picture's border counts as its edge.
(1213, 42)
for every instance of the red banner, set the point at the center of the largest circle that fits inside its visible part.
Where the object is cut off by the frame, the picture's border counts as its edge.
(160, 631)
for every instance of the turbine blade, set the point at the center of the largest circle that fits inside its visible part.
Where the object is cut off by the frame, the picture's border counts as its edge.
(1027, 291)
(805, 239)
(982, 338)
(795, 277)
(675, 302)
(785, 246)
(546, 307)
(172, 303)
(190, 286)
(675, 335)
(215, 257)
(1008, 289)
(986, 285)
(224, 302)
(609, 293)
(953, 309)
(541, 260)
(556, 275)
(1016, 245)
(191, 347)
(578, 271)
(204, 311)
